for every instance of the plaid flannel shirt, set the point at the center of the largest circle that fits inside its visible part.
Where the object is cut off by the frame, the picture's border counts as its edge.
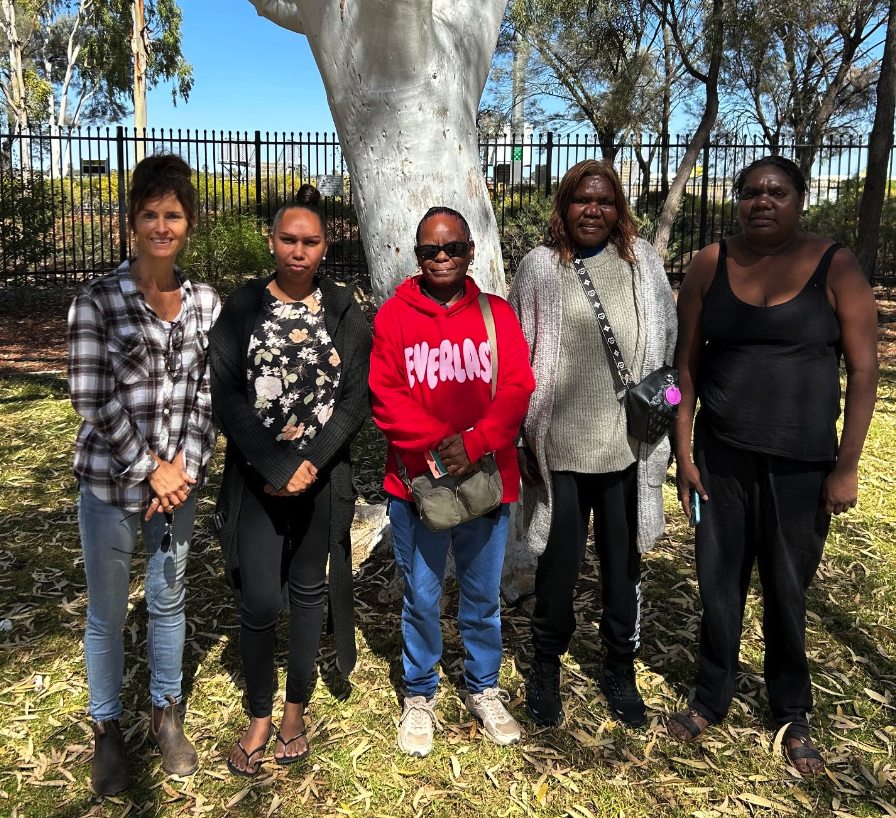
(121, 386)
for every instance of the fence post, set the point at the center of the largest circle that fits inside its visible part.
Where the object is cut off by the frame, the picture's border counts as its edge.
(704, 195)
(550, 156)
(258, 174)
(122, 195)
(664, 165)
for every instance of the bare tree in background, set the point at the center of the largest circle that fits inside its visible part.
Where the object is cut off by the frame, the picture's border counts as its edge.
(698, 32)
(804, 71)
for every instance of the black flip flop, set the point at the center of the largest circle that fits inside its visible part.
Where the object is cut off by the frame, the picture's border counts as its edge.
(287, 760)
(683, 717)
(245, 773)
(801, 751)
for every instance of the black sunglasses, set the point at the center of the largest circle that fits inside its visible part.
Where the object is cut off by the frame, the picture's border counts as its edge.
(453, 249)
(165, 544)
(173, 356)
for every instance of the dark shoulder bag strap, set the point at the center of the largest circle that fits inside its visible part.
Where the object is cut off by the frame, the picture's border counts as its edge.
(603, 322)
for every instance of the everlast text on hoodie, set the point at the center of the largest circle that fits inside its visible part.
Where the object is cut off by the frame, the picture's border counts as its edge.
(430, 377)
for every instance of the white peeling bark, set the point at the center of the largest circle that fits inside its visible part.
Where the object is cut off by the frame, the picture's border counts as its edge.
(403, 79)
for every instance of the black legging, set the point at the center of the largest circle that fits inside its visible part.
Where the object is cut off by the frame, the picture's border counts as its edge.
(613, 498)
(282, 539)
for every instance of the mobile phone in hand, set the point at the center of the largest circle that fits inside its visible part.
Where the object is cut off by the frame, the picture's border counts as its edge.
(695, 508)
(436, 466)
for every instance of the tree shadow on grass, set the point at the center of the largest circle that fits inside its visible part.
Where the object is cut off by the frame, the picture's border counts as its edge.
(378, 610)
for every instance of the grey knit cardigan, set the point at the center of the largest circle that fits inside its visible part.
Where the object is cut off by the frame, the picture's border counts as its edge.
(536, 298)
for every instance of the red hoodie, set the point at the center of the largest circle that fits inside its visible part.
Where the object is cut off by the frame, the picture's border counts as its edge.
(430, 377)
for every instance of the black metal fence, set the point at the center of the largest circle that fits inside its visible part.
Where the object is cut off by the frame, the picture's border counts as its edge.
(62, 195)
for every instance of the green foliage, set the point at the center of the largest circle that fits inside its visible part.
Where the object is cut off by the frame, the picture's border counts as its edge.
(524, 223)
(684, 239)
(598, 58)
(108, 53)
(225, 250)
(27, 209)
(92, 82)
(839, 220)
(805, 70)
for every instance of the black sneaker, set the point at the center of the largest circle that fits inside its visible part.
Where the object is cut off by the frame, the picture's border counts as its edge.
(543, 704)
(625, 702)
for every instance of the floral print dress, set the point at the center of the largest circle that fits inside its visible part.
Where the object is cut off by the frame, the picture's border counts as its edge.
(293, 368)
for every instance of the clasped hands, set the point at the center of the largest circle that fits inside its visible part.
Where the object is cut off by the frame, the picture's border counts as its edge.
(301, 481)
(454, 456)
(170, 484)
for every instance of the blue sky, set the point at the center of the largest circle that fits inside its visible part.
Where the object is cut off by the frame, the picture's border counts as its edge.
(248, 74)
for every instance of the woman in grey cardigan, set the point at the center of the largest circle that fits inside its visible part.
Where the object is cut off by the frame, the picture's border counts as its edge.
(575, 454)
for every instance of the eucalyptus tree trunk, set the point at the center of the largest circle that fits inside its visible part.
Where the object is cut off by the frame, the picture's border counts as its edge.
(710, 78)
(15, 93)
(403, 80)
(58, 118)
(141, 55)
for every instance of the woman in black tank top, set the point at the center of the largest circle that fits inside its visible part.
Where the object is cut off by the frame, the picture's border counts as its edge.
(763, 322)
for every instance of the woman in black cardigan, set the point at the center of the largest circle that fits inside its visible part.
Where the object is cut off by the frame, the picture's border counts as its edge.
(290, 358)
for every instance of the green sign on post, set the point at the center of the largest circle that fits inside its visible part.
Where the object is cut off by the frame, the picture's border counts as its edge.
(517, 155)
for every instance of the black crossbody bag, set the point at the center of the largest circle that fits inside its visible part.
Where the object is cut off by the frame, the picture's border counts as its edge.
(651, 405)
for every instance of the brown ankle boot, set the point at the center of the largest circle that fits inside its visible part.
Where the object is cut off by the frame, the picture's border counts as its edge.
(110, 761)
(178, 754)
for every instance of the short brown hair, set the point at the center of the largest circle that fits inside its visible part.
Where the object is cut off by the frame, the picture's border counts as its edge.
(624, 232)
(157, 176)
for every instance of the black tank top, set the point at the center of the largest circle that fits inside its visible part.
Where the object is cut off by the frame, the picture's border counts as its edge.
(769, 377)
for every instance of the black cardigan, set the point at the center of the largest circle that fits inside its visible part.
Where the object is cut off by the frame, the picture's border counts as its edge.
(276, 461)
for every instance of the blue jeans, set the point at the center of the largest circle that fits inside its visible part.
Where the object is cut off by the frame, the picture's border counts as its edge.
(420, 555)
(108, 540)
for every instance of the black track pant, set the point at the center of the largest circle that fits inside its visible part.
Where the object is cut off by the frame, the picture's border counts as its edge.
(767, 510)
(613, 499)
(282, 538)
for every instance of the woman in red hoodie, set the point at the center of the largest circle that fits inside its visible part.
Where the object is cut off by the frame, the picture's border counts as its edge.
(430, 379)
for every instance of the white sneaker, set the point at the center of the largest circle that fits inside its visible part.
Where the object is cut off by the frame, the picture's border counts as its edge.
(415, 729)
(497, 723)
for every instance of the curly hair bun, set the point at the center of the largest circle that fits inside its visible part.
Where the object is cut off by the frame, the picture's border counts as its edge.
(308, 195)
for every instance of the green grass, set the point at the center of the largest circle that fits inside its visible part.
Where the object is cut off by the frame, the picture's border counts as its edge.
(591, 767)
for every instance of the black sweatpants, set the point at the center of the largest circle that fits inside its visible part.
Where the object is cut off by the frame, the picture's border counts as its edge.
(282, 539)
(613, 498)
(768, 510)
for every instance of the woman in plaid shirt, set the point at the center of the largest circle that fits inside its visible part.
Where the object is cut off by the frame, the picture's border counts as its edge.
(139, 378)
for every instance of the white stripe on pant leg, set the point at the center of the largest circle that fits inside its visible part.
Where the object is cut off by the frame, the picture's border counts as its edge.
(636, 636)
